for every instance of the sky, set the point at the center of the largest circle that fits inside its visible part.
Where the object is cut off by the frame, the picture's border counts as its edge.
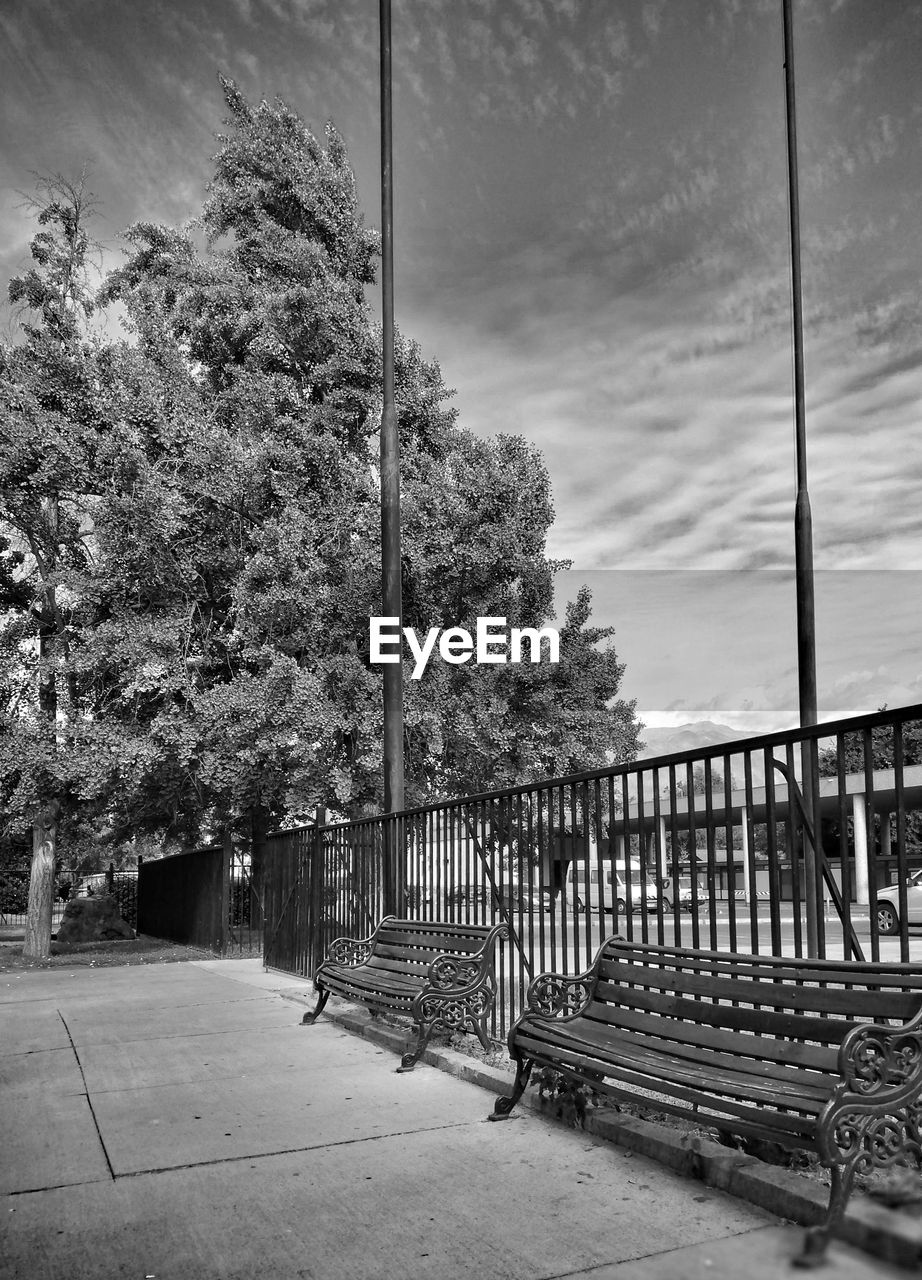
(592, 239)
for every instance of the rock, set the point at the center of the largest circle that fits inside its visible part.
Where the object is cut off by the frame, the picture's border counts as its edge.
(93, 919)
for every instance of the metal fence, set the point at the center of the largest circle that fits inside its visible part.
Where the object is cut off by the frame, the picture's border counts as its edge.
(14, 893)
(782, 844)
(205, 898)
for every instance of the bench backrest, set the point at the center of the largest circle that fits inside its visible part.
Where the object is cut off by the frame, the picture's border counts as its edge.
(770, 1008)
(408, 947)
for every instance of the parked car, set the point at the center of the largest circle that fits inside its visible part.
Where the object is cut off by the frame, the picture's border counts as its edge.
(519, 897)
(888, 905)
(678, 891)
(584, 889)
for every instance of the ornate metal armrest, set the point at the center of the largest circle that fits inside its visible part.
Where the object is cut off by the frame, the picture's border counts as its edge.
(458, 973)
(465, 972)
(349, 951)
(874, 1117)
(555, 995)
(877, 1060)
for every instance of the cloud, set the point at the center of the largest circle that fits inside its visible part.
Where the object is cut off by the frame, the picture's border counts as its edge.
(717, 646)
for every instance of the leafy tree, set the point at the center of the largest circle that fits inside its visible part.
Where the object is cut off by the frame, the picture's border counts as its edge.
(273, 328)
(225, 561)
(45, 396)
(851, 750)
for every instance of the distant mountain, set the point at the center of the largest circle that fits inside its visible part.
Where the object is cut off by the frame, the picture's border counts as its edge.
(702, 733)
(686, 737)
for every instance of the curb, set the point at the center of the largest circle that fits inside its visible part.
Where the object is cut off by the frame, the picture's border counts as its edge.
(882, 1232)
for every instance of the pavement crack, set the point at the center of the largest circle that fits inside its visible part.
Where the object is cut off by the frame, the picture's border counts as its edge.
(89, 1100)
(287, 1151)
(603, 1269)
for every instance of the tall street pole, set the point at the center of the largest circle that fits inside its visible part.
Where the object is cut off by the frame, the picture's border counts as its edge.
(803, 520)
(390, 476)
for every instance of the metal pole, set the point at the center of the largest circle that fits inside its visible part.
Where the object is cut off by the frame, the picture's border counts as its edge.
(803, 520)
(390, 473)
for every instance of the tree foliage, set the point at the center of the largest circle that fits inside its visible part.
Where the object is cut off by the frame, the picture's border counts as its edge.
(855, 750)
(216, 553)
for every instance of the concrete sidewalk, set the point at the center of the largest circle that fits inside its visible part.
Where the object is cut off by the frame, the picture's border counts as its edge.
(176, 1122)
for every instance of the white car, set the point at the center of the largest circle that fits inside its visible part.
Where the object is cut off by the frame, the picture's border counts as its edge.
(888, 905)
(584, 889)
(678, 892)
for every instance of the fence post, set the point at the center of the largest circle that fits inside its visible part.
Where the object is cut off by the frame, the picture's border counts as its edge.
(315, 911)
(227, 842)
(110, 877)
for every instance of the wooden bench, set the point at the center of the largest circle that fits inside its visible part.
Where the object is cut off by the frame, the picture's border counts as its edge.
(822, 1055)
(439, 973)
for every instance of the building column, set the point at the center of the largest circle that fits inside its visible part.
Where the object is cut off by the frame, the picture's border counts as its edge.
(862, 865)
(885, 837)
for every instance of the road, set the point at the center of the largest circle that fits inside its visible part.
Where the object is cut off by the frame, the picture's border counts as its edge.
(576, 939)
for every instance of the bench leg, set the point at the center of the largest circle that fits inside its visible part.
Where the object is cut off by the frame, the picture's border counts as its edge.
(505, 1105)
(817, 1238)
(409, 1060)
(310, 1018)
(480, 1031)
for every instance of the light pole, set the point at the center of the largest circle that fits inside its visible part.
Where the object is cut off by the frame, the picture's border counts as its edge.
(390, 480)
(803, 520)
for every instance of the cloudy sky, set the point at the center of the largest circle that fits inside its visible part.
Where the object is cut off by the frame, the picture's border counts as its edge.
(592, 239)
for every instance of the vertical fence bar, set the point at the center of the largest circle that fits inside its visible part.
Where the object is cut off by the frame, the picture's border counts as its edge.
(902, 865)
(773, 855)
(555, 802)
(749, 853)
(641, 862)
(674, 852)
(603, 870)
(844, 858)
(730, 851)
(693, 855)
(867, 748)
(712, 870)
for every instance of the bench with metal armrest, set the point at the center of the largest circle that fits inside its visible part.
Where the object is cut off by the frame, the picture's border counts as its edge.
(440, 973)
(821, 1055)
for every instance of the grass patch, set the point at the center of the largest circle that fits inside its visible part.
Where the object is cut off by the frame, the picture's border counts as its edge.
(121, 951)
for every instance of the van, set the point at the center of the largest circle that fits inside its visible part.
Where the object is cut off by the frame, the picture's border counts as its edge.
(608, 890)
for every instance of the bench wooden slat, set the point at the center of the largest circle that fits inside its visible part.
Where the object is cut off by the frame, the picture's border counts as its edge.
(860, 972)
(740, 1017)
(712, 1032)
(783, 1124)
(458, 928)
(416, 963)
(431, 941)
(834, 1000)
(366, 976)
(610, 1044)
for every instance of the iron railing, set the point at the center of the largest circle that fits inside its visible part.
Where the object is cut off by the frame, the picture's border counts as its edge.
(778, 844)
(14, 893)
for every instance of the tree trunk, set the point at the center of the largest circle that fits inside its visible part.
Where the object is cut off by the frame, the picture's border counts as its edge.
(45, 827)
(41, 884)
